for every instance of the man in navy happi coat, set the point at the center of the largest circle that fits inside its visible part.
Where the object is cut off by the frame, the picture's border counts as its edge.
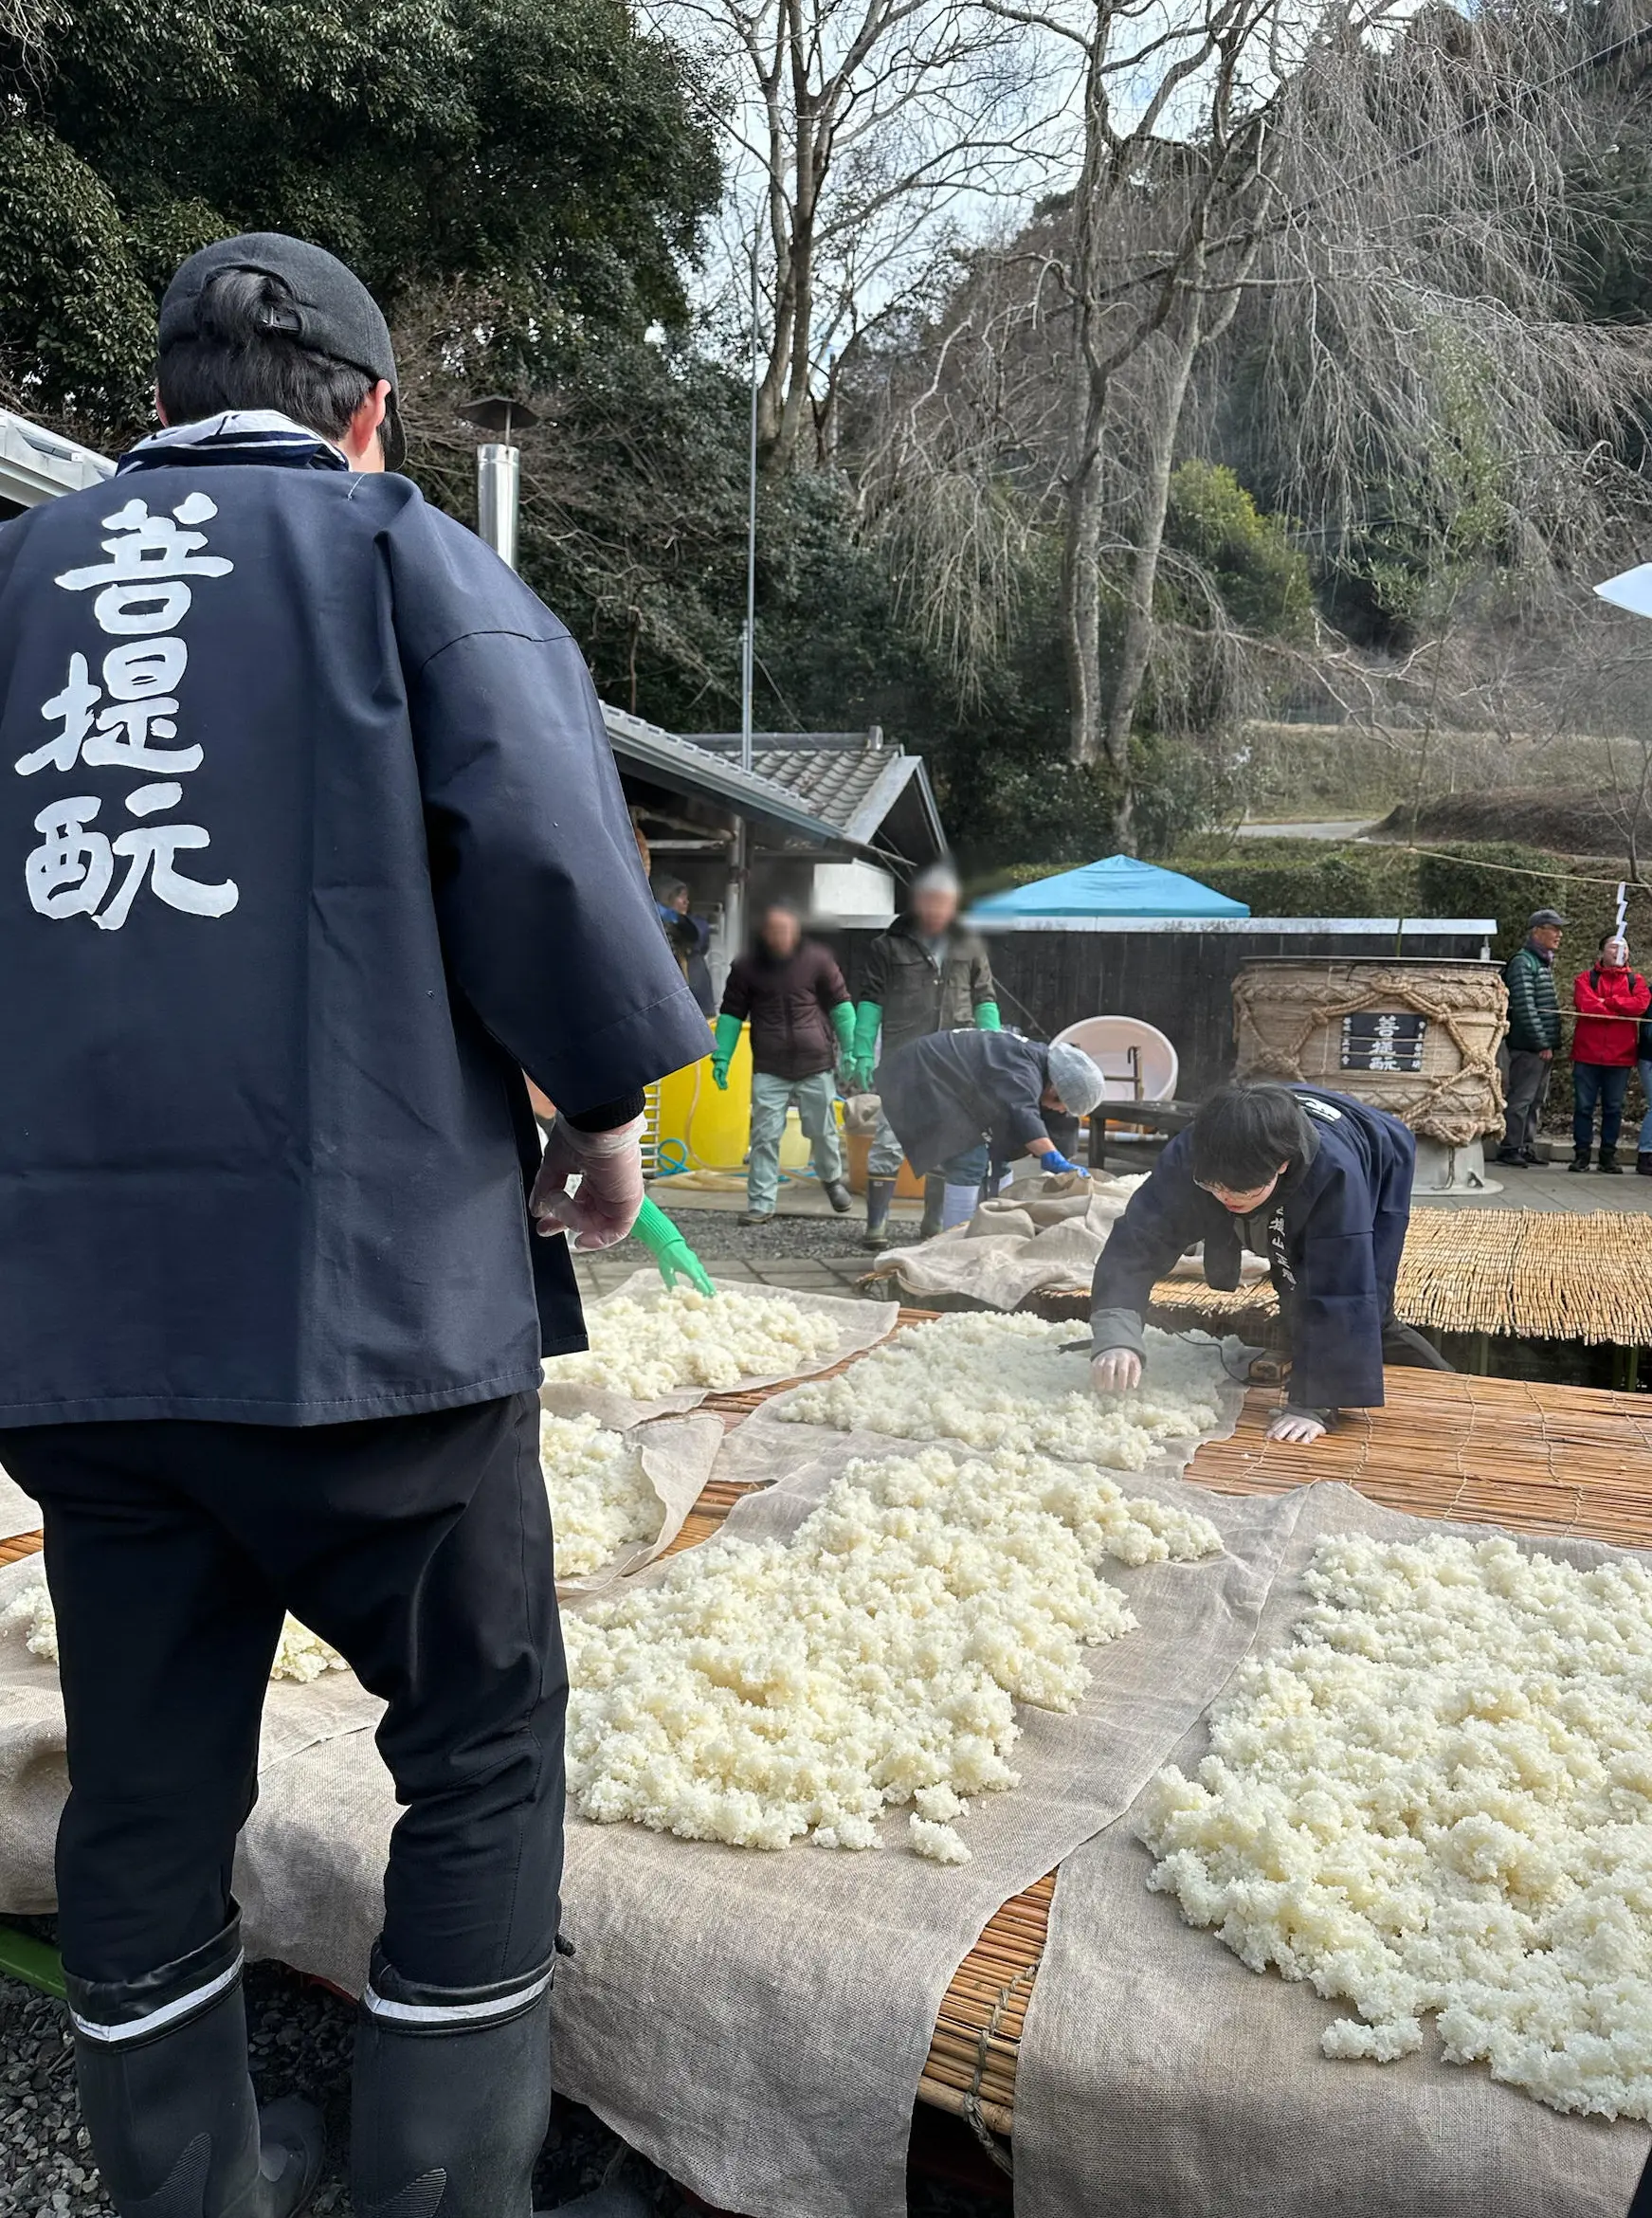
(1320, 1186)
(311, 844)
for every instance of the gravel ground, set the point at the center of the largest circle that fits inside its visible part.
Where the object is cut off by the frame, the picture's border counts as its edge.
(300, 2037)
(718, 1235)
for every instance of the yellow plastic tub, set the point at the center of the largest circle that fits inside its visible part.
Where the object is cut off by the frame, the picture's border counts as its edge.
(712, 1127)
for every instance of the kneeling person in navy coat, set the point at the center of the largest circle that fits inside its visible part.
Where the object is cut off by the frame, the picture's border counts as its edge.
(1317, 1183)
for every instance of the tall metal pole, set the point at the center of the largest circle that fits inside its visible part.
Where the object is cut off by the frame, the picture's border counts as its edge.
(736, 911)
(749, 641)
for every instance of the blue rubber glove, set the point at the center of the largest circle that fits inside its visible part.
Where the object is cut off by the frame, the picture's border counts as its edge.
(1055, 1160)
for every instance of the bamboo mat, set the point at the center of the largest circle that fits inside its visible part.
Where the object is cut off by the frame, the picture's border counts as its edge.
(1527, 1273)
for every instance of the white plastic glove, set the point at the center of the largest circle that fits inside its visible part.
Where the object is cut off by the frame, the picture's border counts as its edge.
(1115, 1370)
(608, 1165)
(1293, 1425)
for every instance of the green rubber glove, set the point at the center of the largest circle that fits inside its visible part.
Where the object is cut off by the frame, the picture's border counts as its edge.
(727, 1039)
(670, 1251)
(862, 1055)
(986, 1017)
(843, 1024)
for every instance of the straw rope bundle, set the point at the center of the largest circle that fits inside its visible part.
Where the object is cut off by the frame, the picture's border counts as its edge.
(1287, 1024)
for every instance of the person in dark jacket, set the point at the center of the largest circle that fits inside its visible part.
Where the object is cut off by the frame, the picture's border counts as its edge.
(927, 973)
(1610, 999)
(689, 937)
(314, 845)
(792, 992)
(1533, 1036)
(963, 1102)
(1320, 1185)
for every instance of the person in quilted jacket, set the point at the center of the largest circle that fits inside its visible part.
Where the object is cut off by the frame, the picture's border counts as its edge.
(1610, 999)
(1533, 1036)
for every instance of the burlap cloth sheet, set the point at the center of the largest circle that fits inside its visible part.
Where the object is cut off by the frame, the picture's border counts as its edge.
(1158, 2076)
(755, 2023)
(861, 1325)
(677, 1454)
(1040, 1232)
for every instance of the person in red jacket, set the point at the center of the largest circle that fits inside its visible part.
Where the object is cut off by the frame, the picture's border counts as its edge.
(1610, 999)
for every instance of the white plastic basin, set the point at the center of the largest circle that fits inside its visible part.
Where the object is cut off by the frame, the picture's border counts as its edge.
(1107, 1041)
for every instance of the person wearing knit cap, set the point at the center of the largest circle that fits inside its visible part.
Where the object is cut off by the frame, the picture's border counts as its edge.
(1317, 1183)
(967, 1103)
(927, 973)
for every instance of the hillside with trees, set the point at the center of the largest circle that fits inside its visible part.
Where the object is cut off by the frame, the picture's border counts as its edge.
(1124, 377)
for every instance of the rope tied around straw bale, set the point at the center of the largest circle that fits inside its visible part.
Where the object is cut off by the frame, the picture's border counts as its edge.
(1455, 1104)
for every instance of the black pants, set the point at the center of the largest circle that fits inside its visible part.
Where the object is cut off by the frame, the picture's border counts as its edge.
(419, 1547)
(1407, 1349)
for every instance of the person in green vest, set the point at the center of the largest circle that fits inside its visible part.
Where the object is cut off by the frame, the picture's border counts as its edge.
(927, 973)
(1533, 1036)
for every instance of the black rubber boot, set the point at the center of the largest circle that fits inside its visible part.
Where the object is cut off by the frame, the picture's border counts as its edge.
(1644, 1165)
(879, 1194)
(1610, 1163)
(935, 1195)
(450, 2112)
(838, 1194)
(1579, 1160)
(174, 2125)
(452, 2097)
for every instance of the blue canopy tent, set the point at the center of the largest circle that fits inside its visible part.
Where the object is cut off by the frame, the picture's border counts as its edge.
(1120, 886)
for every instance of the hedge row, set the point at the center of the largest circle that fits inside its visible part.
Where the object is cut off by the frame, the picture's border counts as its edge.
(1311, 878)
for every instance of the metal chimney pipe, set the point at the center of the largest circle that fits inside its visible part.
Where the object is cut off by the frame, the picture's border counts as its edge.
(498, 485)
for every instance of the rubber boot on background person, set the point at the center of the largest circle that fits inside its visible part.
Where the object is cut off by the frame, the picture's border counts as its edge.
(879, 1194)
(1580, 1159)
(959, 1206)
(934, 1193)
(448, 2119)
(173, 2121)
(1610, 1163)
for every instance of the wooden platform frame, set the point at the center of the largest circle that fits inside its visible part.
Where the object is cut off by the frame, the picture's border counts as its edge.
(1555, 1462)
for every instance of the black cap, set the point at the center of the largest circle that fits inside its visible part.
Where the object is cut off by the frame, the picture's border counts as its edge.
(333, 311)
(1543, 916)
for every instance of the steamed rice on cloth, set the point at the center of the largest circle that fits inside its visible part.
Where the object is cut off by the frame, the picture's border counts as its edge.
(758, 1691)
(1438, 1801)
(602, 1500)
(652, 1344)
(1017, 1383)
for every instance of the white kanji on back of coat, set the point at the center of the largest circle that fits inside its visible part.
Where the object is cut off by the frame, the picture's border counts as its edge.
(127, 722)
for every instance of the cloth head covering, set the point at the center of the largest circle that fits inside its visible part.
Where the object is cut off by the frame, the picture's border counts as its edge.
(938, 878)
(1075, 1079)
